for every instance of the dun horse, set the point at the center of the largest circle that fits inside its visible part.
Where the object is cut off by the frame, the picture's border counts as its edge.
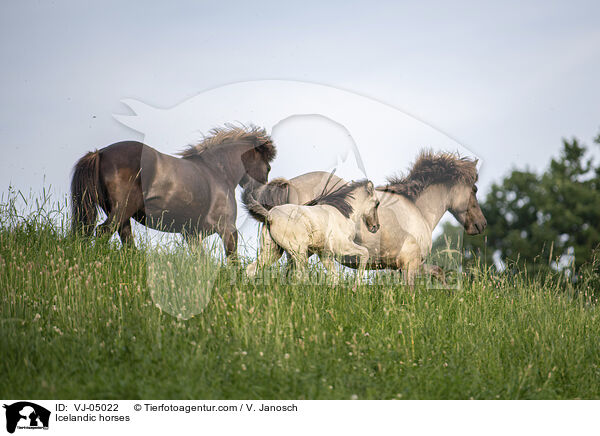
(410, 209)
(326, 226)
(193, 194)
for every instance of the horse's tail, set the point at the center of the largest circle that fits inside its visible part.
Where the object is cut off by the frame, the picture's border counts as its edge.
(86, 193)
(264, 198)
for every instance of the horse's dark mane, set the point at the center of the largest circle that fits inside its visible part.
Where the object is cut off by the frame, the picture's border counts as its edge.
(274, 193)
(431, 169)
(338, 197)
(229, 134)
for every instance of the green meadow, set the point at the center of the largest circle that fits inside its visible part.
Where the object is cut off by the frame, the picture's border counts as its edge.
(79, 319)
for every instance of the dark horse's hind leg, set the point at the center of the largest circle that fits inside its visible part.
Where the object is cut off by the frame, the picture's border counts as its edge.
(119, 219)
(126, 234)
(125, 196)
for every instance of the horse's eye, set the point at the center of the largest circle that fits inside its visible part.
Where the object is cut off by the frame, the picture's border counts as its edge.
(475, 189)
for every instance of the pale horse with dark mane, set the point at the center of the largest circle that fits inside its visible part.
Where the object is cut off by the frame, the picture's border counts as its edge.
(327, 226)
(193, 194)
(410, 208)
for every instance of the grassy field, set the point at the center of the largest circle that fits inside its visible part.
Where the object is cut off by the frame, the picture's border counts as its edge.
(78, 320)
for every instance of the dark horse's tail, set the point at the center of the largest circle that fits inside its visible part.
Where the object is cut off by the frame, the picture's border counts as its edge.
(259, 201)
(86, 193)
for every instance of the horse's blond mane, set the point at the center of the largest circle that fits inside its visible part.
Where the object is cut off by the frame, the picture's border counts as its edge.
(430, 169)
(222, 136)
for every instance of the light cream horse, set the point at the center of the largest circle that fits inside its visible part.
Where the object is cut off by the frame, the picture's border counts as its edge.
(410, 208)
(327, 225)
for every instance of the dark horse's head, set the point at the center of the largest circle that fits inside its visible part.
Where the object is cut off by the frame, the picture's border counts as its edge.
(243, 152)
(257, 161)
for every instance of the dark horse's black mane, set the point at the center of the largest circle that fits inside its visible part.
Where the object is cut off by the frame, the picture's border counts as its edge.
(221, 137)
(430, 169)
(338, 197)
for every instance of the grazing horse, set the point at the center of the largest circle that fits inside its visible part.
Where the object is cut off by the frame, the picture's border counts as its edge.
(410, 208)
(326, 225)
(193, 194)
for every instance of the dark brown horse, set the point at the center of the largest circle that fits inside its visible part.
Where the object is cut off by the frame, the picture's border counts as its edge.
(193, 194)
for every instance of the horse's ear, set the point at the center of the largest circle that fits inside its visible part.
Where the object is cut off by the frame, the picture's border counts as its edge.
(370, 188)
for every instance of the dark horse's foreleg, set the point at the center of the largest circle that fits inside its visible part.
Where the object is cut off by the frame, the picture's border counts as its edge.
(228, 233)
(230, 239)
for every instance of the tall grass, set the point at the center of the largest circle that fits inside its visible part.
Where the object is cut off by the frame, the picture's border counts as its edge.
(79, 319)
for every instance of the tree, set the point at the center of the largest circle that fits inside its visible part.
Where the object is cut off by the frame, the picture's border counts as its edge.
(542, 220)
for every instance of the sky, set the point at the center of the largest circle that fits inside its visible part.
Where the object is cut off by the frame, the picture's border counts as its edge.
(505, 80)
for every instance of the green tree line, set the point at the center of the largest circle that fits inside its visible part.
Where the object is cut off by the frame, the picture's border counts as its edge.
(541, 221)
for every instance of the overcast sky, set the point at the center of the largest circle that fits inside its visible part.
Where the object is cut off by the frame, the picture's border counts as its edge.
(506, 81)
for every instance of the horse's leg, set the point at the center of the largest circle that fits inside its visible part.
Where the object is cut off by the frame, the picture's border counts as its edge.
(126, 234)
(125, 198)
(435, 271)
(268, 254)
(409, 261)
(124, 225)
(107, 228)
(362, 265)
(352, 249)
(329, 264)
(117, 220)
(229, 235)
(299, 261)
(122, 219)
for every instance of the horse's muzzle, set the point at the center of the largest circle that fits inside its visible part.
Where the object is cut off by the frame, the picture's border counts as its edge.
(477, 228)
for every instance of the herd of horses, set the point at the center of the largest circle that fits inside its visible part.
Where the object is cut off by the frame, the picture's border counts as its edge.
(359, 225)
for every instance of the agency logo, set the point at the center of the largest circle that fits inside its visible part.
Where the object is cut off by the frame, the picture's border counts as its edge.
(26, 415)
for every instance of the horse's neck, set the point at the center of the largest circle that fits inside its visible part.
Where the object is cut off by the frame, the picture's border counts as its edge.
(357, 207)
(227, 164)
(433, 203)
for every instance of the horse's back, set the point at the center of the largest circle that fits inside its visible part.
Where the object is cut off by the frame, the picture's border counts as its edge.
(310, 185)
(175, 193)
(121, 155)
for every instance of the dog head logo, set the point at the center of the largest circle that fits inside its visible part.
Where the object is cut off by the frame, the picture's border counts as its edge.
(26, 415)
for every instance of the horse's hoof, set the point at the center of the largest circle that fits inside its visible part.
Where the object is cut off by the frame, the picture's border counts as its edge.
(251, 270)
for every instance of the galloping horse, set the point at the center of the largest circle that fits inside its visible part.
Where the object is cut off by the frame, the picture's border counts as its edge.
(410, 208)
(193, 194)
(326, 226)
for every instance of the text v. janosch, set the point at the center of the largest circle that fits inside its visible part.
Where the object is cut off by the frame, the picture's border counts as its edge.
(243, 407)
